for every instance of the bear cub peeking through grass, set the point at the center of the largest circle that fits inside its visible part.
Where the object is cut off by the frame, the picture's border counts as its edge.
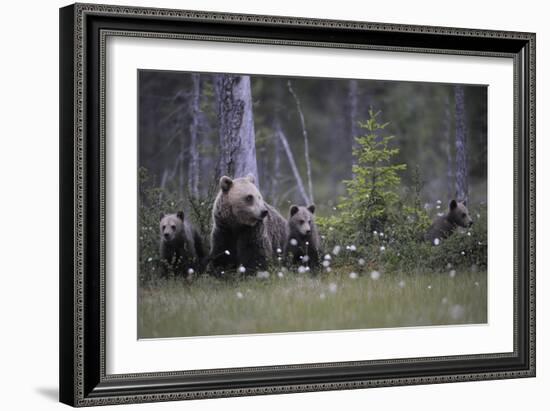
(303, 238)
(181, 247)
(444, 226)
(247, 232)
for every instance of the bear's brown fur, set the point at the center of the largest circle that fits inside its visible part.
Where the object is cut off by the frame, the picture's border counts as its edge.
(444, 226)
(181, 247)
(303, 238)
(246, 230)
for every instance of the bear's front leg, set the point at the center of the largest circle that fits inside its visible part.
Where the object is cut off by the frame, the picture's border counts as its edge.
(252, 250)
(222, 249)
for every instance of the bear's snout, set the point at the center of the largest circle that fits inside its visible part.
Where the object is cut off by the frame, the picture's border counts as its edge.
(167, 236)
(263, 214)
(471, 223)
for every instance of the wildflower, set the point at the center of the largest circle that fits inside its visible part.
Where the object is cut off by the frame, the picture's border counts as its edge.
(429, 286)
(457, 312)
(361, 261)
(326, 263)
(302, 269)
(293, 241)
(463, 253)
(382, 248)
(401, 284)
(327, 257)
(352, 248)
(332, 287)
(336, 250)
(322, 296)
(444, 300)
(190, 271)
(263, 274)
(242, 269)
(452, 273)
(280, 274)
(150, 259)
(353, 275)
(305, 258)
(226, 252)
(436, 241)
(239, 295)
(375, 275)
(279, 251)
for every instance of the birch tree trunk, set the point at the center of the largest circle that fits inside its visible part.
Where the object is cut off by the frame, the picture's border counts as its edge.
(236, 126)
(299, 183)
(193, 171)
(461, 178)
(306, 141)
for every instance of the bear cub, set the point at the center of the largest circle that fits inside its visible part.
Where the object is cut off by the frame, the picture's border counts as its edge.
(181, 247)
(247, 232)
(303, 239)
(444, 226)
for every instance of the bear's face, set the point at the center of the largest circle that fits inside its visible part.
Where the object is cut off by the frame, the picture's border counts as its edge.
(170, 225)
(301, 219)
(459, 215)
(246, 203)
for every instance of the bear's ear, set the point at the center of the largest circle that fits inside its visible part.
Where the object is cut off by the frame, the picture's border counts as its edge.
(464, 203)
(161, 216)
(293, 209)
(452, 205)
(180, 215)
(311, 209)
(251, 178)
(225, 183)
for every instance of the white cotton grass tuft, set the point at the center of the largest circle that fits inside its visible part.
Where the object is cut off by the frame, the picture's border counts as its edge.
(226, 252)
(280, 274)
(452, 273)
(444, 300)
(326, 263)
(305, 258)
(242, 269)
(327, 257)
(239, 295)
(190, 271)
(333, 287)
(328, 269)
(449, 265)
(401, 284)
(279, 251)
(336, 250)
(436, 241)
(262, 274)
(361, 261)
(353, 275)
(293, 241)
(351, 247)
(302, 269)
(457, 312)
(375, 275)
(462, 253)
(322, 296)
(429, 286)
(382, 248)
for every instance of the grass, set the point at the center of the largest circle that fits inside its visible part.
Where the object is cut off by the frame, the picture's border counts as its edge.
(302, 302)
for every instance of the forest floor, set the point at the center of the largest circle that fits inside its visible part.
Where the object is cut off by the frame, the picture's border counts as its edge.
(302, 302)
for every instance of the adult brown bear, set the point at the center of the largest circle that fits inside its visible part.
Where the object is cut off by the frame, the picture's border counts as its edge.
(246, 231)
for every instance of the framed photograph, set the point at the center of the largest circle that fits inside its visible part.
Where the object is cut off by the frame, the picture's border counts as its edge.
(261, 204)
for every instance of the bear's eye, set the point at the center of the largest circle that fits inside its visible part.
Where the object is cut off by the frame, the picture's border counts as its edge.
(249, 198)
(302, 221)
(163, 227)
(463, 215)
(173, 227)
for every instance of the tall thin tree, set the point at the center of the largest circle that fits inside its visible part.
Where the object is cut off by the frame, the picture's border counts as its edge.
(461, 177)
(236, 126)
(194, 169)
(306, 140)
(448, 144)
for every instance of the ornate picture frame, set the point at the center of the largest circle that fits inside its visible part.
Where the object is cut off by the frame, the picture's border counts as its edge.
(84, 29)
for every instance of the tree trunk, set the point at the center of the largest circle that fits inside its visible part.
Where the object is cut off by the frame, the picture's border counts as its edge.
(306, 141)
(461, 148)
(193, 170)
(448, 144)
(290, 156)
(353, 97)
(236, 123)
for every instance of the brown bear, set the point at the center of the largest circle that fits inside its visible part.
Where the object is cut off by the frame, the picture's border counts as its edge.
(181, 247)
(247, 232)
(303, 239)
(444, 226)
